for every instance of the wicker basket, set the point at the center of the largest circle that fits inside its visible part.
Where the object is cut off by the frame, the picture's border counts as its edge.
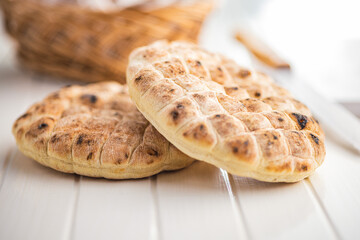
(71, 41)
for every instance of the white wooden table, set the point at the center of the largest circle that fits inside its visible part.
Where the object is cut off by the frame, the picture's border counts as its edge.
(199, 202)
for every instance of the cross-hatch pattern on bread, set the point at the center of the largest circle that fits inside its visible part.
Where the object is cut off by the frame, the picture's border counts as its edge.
(95, 130)
(216, 111)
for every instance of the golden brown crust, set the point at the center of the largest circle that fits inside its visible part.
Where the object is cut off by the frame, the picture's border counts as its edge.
(216, 111)
(95, 130)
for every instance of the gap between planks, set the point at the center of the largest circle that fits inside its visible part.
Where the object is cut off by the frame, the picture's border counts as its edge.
(5, 166)
(318, 203)
(8, 57)
(70, 226)
(155, 226)
(243, 231)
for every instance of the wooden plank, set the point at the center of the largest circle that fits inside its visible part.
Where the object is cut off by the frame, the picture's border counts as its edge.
(36, 202)
(13, 102)
(195, 204)
(19, 89)
(114, 209)
(281, 211)
(337, 186)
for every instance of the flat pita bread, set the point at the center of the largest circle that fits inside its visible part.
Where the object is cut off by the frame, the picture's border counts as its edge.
(96, 131)
(218, 112)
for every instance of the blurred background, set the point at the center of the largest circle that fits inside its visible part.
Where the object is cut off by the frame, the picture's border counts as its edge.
(320, 39)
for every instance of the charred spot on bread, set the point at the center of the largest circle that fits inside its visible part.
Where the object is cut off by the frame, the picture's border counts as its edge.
(314, 138)
(301, 119)
(243, 148)
(89, 97)
(200, 132)
(180, 111)
(244, 73)
(89, 142)
(180, 106)
(80, 140)
(54, 138)
(175, 115)
(138, 78)
(152, 152)
(235, 149)
(43, 125)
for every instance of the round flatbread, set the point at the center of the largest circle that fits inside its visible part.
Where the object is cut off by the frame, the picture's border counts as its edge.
(216, 111)
(96, 131)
